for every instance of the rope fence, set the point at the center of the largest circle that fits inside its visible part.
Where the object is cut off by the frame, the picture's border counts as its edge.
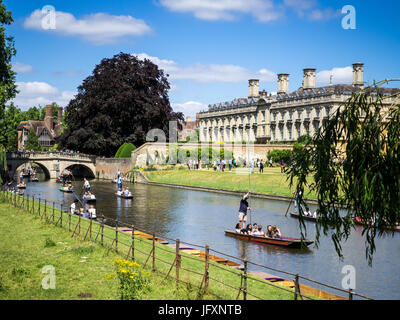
(169, 261)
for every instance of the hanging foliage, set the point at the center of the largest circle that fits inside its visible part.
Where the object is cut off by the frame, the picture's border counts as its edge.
(353, 162)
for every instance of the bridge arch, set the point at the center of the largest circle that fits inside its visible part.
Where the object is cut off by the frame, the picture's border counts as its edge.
(42, 166)
(80, 171)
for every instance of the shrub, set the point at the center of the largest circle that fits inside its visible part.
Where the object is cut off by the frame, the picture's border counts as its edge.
(279, 154)
(132, 278)
(125, 150)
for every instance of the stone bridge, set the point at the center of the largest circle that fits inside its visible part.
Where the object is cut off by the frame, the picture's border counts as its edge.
(53, 164)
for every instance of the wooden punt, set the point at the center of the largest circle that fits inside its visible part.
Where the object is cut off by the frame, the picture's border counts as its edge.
(283, 242)
(87, 199)
(34, 179)
(124, 197)
(296, 215)
(142, 235)
(65, 189)
(202, 254)
(21, 186)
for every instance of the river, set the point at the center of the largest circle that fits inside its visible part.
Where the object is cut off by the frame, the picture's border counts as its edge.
(201, 218)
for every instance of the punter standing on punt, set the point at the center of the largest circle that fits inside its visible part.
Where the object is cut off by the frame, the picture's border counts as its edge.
(244, 206)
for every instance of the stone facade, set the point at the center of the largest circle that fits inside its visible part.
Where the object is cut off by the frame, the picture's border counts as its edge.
(263, 118)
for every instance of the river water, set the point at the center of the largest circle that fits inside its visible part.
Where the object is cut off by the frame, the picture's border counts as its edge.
(201, 218)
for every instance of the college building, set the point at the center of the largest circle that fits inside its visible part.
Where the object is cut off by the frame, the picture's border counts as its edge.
(282, 117)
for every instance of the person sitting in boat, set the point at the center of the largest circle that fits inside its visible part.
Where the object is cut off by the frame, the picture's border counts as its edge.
(237, 228)
(258, 232)
(315, 214)
(308, 212)
(249, 230)
(84, 213)
(92, 212)
(276, 232)
(127, 193)
(255, 227)
(268, 232)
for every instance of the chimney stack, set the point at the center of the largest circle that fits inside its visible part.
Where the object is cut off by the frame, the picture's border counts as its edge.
(60, 114)
(283, 83)
(254, 85)
(358, 74)
(309, 78)
(48, 120)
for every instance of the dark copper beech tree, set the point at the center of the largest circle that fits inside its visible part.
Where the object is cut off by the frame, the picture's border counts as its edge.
(120, 102)
(353, 163)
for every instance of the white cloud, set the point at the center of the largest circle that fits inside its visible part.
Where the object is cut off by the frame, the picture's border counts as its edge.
(209, 72)
(300, 6)
(189, 109)
(98, 28)
(262, 10)
(35, 93)
(325, 14)
(339, 76)
(20, 67)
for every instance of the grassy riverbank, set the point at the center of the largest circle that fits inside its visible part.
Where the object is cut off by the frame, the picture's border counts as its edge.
(271, 182)
(83, 268)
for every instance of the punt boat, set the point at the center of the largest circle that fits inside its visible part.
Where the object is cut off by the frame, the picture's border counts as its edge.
(296, 215)
(21, 186)
(89, 198)
(66, 189)
(283, 242)
(123, 196)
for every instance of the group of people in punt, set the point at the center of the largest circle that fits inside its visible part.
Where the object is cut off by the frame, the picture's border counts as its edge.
(253, 230)
(256, 230)
(87, 213)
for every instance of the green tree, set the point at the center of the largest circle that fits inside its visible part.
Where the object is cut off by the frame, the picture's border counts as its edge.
(121, 101)
(32, 142)
(3, 164)
(353, 162)
(8, 89)
(8, 127)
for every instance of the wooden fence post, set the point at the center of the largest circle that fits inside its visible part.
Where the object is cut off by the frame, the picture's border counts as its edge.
(133, 243)
(296, 287)
(350, 294)
(154, 252)
(45, 209)
(178, 260)
(33, 204)
(39, 207)
(54, 204)
(61, 209)
(116, 235)
(207, 262)
(245, 280)
(102, 229)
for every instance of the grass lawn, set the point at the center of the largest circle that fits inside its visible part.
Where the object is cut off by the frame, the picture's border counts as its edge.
(85, 269)
(272, 181)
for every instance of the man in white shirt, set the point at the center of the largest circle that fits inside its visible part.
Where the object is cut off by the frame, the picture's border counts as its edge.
(73, 207)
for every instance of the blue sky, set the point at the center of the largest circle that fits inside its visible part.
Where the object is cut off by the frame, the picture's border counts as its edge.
(210, 48)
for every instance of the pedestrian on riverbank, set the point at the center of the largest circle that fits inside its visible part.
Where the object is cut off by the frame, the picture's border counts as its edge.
(244, 207)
